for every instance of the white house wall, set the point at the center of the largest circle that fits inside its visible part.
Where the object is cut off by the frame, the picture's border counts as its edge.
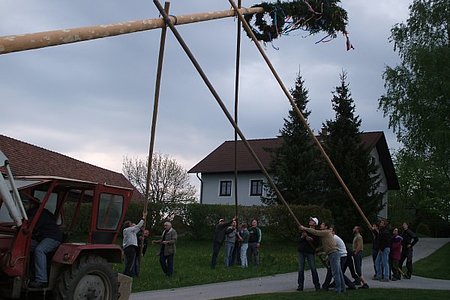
(211, 188)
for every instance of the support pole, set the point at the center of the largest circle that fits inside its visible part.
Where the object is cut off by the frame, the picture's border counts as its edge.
(298, 112)
(23, 42)
(222, 105)
(236, 106)
(162, 44)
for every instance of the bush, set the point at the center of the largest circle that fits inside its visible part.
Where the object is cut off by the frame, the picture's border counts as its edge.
(423, 229)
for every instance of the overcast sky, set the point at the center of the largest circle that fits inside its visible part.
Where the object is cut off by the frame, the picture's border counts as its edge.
(93, 100)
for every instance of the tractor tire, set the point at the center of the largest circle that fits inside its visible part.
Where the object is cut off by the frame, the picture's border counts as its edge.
(92, 277)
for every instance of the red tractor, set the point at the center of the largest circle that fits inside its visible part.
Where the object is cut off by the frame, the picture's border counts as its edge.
(76, 270)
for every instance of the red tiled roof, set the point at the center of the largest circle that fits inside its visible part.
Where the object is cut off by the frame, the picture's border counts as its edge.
(221, 160)
(30, 160)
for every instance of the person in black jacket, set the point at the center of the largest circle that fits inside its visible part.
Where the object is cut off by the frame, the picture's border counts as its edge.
(46, 238)
(409, 240)
(219, 236)
(307, 245)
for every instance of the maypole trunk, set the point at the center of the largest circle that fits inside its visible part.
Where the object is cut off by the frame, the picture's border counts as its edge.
(23, 42)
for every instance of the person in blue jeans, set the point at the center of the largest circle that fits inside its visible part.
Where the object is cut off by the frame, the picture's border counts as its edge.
(382, 261)
(330, 248)
(219, 237)
(230, 241)
(46, 238)
(307, 245)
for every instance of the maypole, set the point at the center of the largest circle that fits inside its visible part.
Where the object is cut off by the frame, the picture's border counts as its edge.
(23, 42)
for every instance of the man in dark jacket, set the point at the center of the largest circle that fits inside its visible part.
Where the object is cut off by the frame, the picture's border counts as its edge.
(219, 236)
(254, 241)
(409, 240)
(306, 251)
(46, 238)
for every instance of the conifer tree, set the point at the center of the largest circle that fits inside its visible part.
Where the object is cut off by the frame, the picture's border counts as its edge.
(295, 164)
(342, 142)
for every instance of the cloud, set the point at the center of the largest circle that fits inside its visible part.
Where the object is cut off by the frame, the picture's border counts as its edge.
(94, 100)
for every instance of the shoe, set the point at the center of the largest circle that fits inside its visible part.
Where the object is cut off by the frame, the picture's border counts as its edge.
(357, 282)
(364, 286)
(384, 280)
(37, 285)
(299, 289)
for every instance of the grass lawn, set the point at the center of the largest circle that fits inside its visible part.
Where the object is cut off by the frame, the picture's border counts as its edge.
(192, 266)
(369, 294)
(437, 265)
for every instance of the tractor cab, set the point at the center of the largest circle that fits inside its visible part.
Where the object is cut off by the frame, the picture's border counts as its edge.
(89, 214)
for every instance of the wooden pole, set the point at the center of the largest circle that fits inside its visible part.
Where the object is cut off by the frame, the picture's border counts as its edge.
(236, 106)
(23, 42)
(151, 147)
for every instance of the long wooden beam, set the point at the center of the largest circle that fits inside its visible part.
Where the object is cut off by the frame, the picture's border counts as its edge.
(23, 42)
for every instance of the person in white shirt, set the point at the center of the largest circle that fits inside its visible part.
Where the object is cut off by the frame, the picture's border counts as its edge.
(343, 253)
(130, 245)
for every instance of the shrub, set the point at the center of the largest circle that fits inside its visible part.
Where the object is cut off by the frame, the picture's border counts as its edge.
(423, 229)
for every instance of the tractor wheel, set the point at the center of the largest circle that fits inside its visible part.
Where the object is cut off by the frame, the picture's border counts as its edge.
(92, 277)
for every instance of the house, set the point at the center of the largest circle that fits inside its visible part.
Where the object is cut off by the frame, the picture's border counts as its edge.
(30, 160)
(217, 170)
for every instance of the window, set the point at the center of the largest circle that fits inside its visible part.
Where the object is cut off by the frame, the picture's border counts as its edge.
(225, 188)
(52, 200)
(110, 211)
(256, 187)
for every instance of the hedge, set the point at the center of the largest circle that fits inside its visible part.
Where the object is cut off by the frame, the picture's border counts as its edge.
(197, 221)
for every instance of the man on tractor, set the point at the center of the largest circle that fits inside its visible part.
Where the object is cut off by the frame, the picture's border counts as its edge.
(45, 239)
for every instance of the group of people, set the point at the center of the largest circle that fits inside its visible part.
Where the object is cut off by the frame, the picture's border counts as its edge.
(332, 252)
(390, 250)
(240, 244)
(389, 253)
(245, 242)
(134, 235)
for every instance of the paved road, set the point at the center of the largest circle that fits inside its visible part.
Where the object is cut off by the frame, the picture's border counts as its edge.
(288, 282)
